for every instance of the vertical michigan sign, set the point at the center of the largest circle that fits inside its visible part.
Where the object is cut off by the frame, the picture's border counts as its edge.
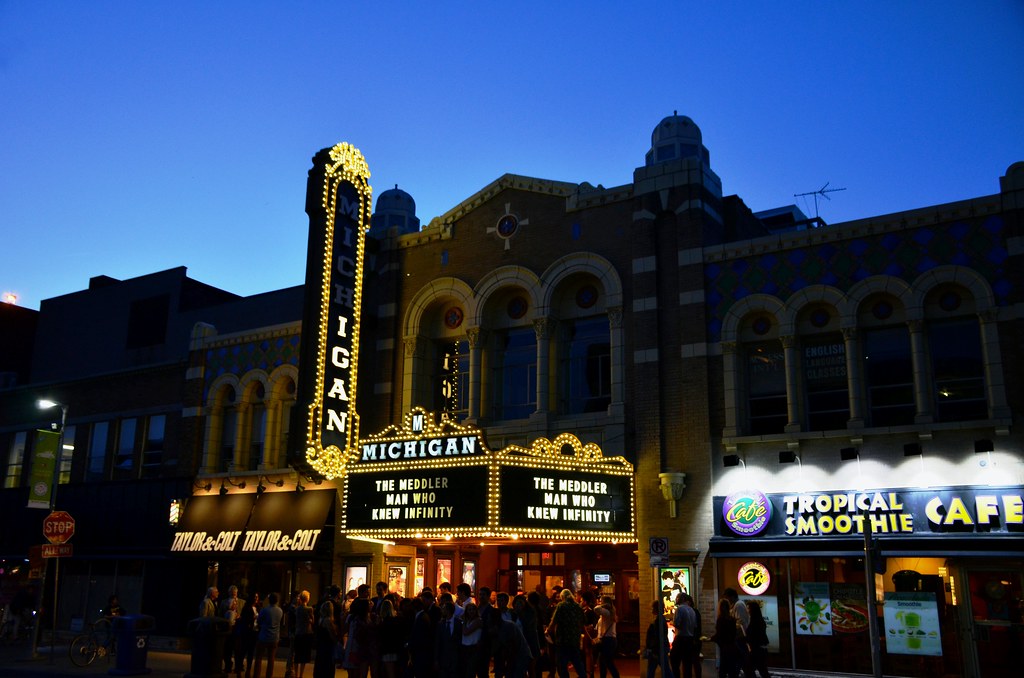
(338, 202)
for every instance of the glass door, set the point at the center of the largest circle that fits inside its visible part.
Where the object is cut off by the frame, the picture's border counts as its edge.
(997, 635)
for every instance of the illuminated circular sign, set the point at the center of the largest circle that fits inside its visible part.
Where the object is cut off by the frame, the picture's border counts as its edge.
(754, 578)
(747, 513)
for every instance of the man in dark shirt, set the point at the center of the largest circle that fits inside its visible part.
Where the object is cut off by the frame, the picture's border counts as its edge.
(566, 628)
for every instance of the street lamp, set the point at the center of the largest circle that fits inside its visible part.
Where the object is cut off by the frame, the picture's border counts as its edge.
(47, 404)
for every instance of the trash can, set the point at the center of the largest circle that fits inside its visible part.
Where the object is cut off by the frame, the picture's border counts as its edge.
(207, 634)
(131, 635)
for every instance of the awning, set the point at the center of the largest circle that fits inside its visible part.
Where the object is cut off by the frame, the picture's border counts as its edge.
(949, 546)
(292, 522)
(271, 523)
(212, 524)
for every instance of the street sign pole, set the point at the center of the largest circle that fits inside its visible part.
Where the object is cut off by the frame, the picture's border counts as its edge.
(658, 554)
(34, 650)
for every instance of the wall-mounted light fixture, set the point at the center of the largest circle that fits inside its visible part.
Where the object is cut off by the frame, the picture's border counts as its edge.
(849, 454)
(788, 457)
(261, 488)
(984, 445)
(672, 485)
(730, 460)
(223, 488)
(912, 450)
(201, 486)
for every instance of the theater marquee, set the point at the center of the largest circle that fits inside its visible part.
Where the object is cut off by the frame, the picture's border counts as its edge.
(338, 202)
(438, 480)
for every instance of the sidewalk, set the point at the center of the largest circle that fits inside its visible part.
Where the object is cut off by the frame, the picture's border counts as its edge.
(14, 663)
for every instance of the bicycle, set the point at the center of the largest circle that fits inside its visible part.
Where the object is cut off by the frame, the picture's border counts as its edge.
(98, 641)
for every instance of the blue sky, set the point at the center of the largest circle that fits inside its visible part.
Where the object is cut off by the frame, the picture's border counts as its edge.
(140, 136)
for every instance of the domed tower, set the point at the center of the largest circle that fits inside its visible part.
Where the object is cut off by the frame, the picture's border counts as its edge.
(678, 160)
(677, 137)
(395, 210)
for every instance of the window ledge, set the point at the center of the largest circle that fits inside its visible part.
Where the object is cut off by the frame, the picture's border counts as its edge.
(924, 431)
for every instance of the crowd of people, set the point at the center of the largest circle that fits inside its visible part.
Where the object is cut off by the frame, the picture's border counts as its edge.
(447, 634)
(740, 633)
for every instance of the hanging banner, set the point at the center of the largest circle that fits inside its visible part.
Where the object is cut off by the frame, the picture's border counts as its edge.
(44, 461)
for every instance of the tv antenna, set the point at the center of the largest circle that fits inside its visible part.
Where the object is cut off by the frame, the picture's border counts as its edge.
(823, 192)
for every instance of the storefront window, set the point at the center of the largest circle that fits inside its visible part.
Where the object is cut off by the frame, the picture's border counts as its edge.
(817, 612)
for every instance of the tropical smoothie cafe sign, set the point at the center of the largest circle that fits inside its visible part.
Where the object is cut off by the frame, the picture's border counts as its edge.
(430, 479)
(909, 512)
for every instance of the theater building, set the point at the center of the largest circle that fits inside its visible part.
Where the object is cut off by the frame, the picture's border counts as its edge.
(526, 391)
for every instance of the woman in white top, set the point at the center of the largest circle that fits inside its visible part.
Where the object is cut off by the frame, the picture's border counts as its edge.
(469, 651)
(607, 642)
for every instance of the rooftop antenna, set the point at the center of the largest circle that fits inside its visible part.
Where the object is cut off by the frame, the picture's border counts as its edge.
(823, 192)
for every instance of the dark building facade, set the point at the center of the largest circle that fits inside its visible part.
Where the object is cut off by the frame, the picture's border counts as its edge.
(772, 384)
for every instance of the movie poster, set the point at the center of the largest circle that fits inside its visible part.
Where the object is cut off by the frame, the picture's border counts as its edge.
(674, 580)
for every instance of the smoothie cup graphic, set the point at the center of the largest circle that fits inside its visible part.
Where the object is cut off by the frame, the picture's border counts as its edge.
(912, 627)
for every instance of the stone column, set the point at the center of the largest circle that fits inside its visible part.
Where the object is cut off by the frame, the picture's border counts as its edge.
(473, 336)
(542, 328)
(410, 372)
(792, 383)
(922, 375)
(616, 406)
(995, 387)
(854, 377)
(730, 380)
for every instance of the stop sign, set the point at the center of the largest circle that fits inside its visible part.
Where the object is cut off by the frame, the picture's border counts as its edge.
(58, 527)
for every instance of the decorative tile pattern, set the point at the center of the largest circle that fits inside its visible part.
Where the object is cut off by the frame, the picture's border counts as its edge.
(264, 354)
(904, 255)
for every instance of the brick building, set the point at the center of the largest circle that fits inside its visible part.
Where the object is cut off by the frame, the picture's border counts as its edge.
(773, 385)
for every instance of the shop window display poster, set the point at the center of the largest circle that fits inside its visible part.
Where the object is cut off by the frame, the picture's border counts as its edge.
(849, 609)
(396, 579)
(469, 573)
(444, 570)
(354, 577)
(674, 580)
(912, 624)
(812, 609)
(770, 611)
(417, 581)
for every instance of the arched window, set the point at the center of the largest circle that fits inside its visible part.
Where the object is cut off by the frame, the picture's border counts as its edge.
(887, 363)
(515, 373)
(585, 365)
(223, 430)
(764, 374)
(450, 378)
(957, 364)
(257, 426)
(823, 368)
